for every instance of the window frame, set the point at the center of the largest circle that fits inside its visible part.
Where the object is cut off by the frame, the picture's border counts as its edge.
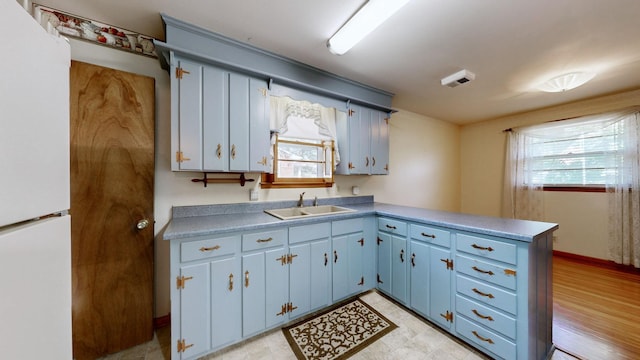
(270, 181)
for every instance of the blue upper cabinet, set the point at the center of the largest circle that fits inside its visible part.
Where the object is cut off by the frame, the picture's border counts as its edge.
(219, 119)
(363, 140)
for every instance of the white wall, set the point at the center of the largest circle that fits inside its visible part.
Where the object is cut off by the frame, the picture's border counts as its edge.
(424, 164)
(582, 216)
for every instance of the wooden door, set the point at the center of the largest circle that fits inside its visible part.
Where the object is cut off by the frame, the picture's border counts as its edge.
(112, 178)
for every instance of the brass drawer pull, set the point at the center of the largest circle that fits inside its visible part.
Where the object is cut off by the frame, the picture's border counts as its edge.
(264, 240)
(367, 161)
(335, 256)
(490, 296)
(482, 338)
(230, 282)
(233, 152)
(326, 259)
(428, 235)
(373, 159)
(486, 317)
(488, 272)
(390, 227)
(246, 279)
(482, 248)
(413, 259)
(207, 249)
(401, 255)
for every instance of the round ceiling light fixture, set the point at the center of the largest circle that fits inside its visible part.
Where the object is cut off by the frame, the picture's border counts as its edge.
(566, 81)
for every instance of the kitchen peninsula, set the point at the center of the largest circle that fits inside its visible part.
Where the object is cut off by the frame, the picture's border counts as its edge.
(239, 271)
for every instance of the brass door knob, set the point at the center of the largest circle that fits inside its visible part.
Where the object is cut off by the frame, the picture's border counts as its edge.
(142, 224)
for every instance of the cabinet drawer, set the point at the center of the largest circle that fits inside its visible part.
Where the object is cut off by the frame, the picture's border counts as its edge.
(348, 226)
(431, 235)
(263, 240)
(392, 226)
(202, 249)
(485, 293)
(496, 274)
(490, 249)
(486, 339)
(298, 234)
(506, 325)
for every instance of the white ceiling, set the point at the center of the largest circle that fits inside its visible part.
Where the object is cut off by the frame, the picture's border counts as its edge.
(511, 45)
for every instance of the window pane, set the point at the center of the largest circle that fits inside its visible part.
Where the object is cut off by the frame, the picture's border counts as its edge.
(289, 151)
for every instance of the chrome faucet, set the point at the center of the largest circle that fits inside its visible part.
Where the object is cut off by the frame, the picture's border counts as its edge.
(301, 201)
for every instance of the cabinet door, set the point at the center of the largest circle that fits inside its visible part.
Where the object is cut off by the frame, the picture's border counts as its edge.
(419, 264)
(215, 118)
(187, 148)
(259, 135)
(277, 286)
(399, 268)
(320, 274)
(340, 266)
(384, 262)
(379, 143)
(300, 283)
(195, 316)
(226, 300)
(238, 122)
(355, 252)
(253, 294)
(440, 286)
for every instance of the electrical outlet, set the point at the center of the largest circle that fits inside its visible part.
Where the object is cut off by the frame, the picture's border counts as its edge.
(253, 195)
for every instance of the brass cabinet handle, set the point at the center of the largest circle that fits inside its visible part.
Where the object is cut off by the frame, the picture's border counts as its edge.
(486, 317)
(481, 247)
(246, 279)
(283, 310)
(373, 161)
(335, 256)
(390, 227)
(290, 307)
(488, 272)
(402, 255)
(282, 259)
(219, 151)
(326, 259)
(482, 338)
(367, 161)
(230, 282)
(490, 296)
(264, 240)
(233, 151)
(428, 235)
(413, 259)
(207, 249)
(263, 161)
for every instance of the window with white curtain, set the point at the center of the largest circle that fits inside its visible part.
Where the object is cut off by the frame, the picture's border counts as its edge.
(601, 150)
(304, 139)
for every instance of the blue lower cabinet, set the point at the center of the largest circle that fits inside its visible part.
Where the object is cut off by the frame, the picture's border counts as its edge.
(195, 317)
(440, 275)
(419, 265)
(226, 302)
(383, 276)
(399, 261)
(486, 340)
(253, 294)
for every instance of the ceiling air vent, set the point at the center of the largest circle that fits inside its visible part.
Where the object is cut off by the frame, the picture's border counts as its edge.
(458, 78)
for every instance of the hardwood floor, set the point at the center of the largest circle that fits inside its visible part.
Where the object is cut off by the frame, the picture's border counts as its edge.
(596, 310)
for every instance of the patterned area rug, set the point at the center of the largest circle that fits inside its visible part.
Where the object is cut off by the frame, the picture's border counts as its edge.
(337, 333)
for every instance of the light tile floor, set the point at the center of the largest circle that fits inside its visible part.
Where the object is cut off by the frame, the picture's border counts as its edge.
(413, 339)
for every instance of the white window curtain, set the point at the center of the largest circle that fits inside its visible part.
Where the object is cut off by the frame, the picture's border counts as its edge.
(304, 120)
(523, 195)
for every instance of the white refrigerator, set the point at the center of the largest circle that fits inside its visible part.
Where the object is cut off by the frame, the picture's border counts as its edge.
(35, 226)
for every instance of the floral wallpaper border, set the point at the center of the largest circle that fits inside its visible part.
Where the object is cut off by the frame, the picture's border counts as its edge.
(94, 31)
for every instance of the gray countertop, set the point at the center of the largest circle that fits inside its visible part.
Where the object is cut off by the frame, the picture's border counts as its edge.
(206, 220)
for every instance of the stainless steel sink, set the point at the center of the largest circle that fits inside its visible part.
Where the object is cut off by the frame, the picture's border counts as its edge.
(300, 212)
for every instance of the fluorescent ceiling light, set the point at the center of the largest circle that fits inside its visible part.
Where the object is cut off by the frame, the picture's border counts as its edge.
(369, 17)
(566, 82)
